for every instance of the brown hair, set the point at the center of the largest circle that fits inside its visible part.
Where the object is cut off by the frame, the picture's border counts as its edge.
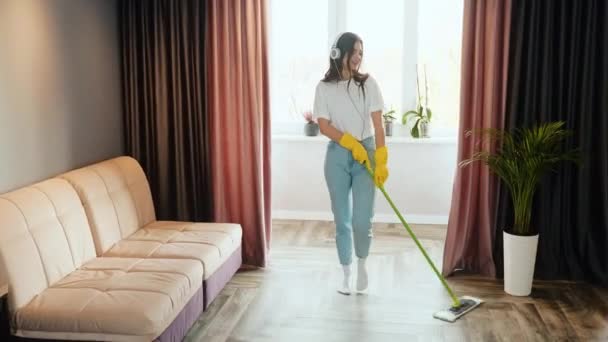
(346, 45)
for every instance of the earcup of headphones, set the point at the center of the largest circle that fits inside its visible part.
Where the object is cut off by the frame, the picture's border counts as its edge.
(334, 53)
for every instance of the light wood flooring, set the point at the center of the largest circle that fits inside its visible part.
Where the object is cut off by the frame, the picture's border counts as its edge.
(295, 298)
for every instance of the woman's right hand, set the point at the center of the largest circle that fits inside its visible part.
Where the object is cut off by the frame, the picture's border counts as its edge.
(359, 152)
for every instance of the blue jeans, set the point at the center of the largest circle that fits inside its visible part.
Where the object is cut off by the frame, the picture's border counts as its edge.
(343, 174)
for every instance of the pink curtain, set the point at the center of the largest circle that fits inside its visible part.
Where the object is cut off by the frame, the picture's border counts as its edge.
(485, 49)
(239, 120)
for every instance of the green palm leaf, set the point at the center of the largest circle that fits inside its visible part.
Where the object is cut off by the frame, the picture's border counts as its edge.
(520, 160)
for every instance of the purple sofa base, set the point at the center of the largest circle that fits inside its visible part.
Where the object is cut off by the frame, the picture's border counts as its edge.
(184, 320)
(180, 326)
(201, 300)
(214, 284)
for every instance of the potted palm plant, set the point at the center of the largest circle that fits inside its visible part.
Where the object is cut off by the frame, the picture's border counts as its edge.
(520, 161)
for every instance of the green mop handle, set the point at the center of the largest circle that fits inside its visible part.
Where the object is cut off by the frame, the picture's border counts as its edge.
(409, 230)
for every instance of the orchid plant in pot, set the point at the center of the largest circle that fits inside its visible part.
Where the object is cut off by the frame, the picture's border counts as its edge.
(422, 115)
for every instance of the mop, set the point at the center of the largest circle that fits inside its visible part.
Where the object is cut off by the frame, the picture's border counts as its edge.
(460, 306)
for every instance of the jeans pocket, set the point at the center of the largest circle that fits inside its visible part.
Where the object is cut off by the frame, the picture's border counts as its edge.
(369, 144)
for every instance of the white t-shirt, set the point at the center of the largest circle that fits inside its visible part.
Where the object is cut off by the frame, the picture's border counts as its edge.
(349, 110)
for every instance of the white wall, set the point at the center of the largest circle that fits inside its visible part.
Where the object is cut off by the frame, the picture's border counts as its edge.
(420, 180)
(60, 97)
(60, 88)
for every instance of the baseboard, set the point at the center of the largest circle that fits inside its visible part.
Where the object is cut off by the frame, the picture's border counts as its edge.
(384, 218)
(418, 219)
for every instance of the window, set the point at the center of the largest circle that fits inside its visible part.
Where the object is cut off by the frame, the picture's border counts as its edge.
(439, 46)
(399, 37)
(381, 27)
(298, 54)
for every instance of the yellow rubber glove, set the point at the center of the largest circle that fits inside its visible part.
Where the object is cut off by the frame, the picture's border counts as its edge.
(359, 152)
(381, 172)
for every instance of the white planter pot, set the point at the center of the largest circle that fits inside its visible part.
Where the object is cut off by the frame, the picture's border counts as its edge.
(519, 260)
(425, 129)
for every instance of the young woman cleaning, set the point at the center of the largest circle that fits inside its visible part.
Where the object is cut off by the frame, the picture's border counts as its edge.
(348, 107)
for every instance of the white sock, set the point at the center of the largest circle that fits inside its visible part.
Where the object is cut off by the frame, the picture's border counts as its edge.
(361, 275)
(345, 289)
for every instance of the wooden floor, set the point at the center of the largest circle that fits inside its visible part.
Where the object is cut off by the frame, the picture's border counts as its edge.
(295, 298)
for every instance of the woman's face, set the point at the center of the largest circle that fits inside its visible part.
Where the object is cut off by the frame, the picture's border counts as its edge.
(356, 57)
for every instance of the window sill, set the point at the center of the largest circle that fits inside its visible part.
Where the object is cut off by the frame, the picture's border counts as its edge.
(389, 140)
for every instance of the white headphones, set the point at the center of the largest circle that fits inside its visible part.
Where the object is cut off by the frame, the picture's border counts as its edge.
(335, 53)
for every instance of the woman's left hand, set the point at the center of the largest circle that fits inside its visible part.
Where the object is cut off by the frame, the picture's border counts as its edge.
(381, 171)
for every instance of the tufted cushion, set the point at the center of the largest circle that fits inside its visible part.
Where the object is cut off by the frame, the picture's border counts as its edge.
(117, 199)
(44, 236)
(209, 243)
(112, 299)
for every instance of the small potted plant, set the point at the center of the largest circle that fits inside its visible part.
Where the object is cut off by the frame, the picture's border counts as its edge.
(388, 122)
(522, 158)
(422, 114)
(311, 128)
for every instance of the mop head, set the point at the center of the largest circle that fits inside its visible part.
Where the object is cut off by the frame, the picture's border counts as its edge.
(452, 314)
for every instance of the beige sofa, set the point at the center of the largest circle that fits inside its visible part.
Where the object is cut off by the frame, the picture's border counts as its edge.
(86, 259)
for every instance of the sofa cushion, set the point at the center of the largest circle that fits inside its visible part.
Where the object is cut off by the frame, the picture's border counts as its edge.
(226, 236)
(113, 297)
(116, 196)
(117, 199)
(209, 243)
(44, 236)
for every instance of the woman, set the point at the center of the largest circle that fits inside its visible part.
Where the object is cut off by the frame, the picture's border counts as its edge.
(347, 104)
